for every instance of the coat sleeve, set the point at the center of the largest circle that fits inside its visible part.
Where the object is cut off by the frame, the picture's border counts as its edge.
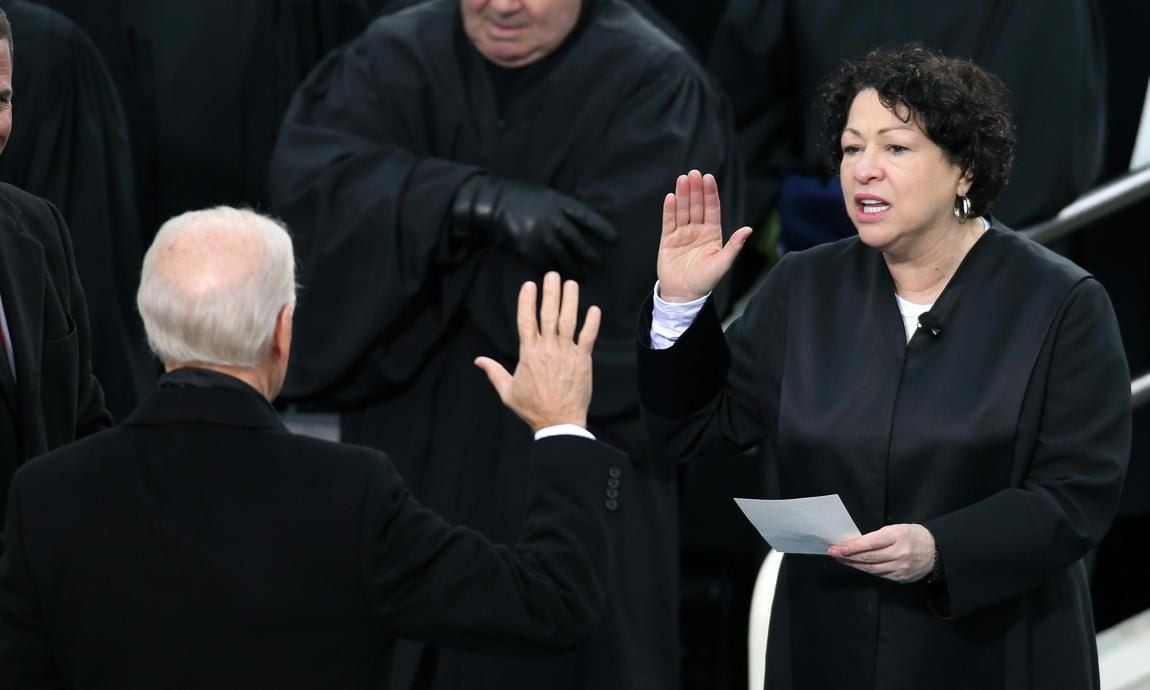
(428, 580)
(710, 393)
(1069, 489)
(91, 414)
(369, 213)
(25, 659)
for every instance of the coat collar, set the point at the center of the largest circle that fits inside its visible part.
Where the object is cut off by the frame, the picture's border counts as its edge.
(226, 400)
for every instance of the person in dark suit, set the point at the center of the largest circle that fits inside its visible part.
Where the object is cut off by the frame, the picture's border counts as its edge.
(202, 545)
(963, 389)
(70, 147)
(48, 394)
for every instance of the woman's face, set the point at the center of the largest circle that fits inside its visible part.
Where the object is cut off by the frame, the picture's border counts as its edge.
(898, 185)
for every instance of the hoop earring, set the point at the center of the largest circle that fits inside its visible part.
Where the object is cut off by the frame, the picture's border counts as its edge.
(962, 208)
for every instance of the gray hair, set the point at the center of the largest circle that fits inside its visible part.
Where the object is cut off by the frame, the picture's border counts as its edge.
(213, 284)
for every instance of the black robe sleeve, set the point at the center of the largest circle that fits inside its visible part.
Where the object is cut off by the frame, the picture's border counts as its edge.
(712, 392)
(370, 219)
(1011, 541)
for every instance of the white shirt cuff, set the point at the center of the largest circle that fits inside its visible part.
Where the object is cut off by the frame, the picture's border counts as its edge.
(563, 430)
(669, 320)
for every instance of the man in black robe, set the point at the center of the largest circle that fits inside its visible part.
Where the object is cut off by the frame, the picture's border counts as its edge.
(427, 170)
(772, 55)
(71, 148)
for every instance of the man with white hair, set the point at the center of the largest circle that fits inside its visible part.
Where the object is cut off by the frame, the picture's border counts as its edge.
(202, 545)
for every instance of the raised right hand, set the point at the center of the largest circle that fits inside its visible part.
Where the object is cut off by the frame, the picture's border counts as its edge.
(552, 380)
(692, 257)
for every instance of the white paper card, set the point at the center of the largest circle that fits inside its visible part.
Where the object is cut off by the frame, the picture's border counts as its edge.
(800, 525)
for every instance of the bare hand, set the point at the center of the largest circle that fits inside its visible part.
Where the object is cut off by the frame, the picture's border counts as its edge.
(901, 553)
(552, 381)
(692, 257)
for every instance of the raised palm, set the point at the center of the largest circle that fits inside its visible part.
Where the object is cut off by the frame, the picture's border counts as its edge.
(692, 257)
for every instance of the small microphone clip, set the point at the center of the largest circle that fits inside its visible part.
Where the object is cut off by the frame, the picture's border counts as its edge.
(930, 324)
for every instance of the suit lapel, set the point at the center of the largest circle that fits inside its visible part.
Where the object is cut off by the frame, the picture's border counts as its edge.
(22, 286)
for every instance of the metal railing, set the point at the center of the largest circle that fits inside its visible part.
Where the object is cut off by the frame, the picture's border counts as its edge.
(1110, 198)
(1140, 390)
(1099, 203)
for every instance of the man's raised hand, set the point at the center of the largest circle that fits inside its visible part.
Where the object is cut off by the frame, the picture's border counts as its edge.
(552, 380)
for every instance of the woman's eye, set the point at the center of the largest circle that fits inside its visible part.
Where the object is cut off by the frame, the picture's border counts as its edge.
(895, 148)
(850, 149)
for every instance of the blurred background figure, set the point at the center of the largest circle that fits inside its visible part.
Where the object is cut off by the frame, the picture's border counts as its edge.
(452, 151)
(205, 84)
(70, 146)
(771, 55)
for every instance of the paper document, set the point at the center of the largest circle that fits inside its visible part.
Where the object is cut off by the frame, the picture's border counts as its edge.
(801, 525)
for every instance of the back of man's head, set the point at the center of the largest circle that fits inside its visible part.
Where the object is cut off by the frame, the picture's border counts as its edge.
(213, 285)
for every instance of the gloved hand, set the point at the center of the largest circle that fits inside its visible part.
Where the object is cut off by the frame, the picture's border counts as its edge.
(550, 230)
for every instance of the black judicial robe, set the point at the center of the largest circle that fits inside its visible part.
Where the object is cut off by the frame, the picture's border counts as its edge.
(773, 55)
(369, 157)
(1006, 435)
(69, 145)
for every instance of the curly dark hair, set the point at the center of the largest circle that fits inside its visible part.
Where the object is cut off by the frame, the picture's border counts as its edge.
(961, 108)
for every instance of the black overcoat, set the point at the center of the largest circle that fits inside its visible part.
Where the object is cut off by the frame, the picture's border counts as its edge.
(1006, 435)
(370, 155)
(202, 545)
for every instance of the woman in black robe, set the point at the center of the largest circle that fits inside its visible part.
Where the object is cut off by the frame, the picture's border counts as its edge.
(963, 390)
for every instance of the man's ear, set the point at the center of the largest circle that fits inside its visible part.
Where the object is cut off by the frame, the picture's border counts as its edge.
(281, 336)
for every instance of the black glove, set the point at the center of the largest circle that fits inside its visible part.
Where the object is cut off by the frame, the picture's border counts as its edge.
(548, 229)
